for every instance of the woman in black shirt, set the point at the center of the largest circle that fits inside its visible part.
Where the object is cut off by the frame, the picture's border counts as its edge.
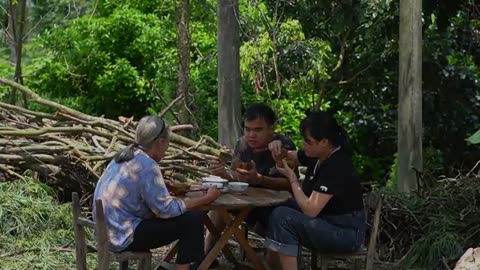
(327, 213)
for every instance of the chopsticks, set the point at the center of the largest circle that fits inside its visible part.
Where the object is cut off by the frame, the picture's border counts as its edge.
(198, 189)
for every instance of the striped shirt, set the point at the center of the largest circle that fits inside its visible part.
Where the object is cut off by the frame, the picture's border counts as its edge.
(131, 192)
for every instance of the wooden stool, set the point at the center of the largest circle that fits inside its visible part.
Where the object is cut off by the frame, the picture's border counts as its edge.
(79, 223)
(374, 202)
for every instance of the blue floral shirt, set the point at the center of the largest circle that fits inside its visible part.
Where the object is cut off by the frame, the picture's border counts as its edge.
(131, 192)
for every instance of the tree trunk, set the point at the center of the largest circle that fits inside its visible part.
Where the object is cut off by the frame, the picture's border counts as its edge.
(183, 44)
(229, 112)
(410, 154)
(15, 30)
(11, 32)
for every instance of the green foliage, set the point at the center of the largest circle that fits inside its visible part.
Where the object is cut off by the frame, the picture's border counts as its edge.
(282, 71)
(342, 55)
(475, 138)
(31, 219)
(392, 181)
(47, 14)
(6, 71)
(107, 66)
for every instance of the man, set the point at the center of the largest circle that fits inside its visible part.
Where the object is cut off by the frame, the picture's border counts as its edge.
(259, 131)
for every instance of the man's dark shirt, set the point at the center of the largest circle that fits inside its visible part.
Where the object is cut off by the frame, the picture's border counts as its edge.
(263, 159)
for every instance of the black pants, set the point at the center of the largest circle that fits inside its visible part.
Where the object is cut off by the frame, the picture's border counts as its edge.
(187, 228)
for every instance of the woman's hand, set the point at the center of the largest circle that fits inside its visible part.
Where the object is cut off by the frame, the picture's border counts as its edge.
(212, 194)
(276, 148)
(287, 172)
(169, 184)
(217, 168)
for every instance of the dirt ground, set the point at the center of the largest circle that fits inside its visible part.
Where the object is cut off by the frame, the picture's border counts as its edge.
(224, 264)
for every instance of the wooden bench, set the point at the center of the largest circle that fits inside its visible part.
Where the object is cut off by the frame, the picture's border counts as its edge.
(373, 202)
(80, 222)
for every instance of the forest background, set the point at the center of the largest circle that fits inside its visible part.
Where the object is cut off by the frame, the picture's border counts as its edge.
(117, 58)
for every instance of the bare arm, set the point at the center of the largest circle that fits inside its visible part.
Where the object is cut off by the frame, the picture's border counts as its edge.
(212, 194)
(313, 205)
(310, 206)
(275, 183)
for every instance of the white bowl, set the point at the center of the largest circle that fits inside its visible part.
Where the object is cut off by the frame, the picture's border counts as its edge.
(214, 179)
(237, 186)
(212, 184)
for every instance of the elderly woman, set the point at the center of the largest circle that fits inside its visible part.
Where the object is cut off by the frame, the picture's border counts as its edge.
(140, 214)
(327, 213)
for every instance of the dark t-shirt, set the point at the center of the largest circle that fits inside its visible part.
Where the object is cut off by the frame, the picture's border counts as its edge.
(263, 160)
(335, 176)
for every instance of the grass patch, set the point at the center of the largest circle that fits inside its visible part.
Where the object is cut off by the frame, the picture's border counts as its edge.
(35, 231)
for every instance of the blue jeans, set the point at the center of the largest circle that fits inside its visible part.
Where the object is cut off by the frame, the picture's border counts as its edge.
(289, 227)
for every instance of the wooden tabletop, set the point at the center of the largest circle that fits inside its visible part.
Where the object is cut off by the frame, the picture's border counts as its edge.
(252, 197)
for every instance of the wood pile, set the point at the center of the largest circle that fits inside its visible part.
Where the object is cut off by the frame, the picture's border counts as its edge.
(68, 148)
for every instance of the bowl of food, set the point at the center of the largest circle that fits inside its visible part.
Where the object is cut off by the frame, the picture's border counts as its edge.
(178, 189)
(284, 155)
(237, 186)
(242, 165)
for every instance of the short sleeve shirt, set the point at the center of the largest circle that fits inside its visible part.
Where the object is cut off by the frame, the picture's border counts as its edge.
(335, 176)
(263, 160)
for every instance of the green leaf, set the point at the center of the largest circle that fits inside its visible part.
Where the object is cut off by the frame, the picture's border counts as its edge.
(475, 138)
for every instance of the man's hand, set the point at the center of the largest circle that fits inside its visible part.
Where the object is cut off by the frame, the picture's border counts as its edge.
(249, 176)
(217, 168)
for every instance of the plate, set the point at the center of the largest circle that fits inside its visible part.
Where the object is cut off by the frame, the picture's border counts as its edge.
(213, 178)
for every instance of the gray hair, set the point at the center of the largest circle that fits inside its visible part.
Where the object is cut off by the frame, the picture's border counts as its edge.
(149, 130)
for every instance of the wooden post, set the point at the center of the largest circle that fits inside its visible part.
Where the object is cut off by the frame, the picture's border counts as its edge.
(183, 45)
(410, 155)
(229, 113)
(80, 244)
(102, 239)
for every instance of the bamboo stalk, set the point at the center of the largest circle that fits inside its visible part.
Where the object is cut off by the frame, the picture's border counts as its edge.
(26, 111)
(74, 130)
(36, 148)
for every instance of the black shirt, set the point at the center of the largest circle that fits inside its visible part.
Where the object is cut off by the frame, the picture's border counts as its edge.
(335, 176)
(263, 160)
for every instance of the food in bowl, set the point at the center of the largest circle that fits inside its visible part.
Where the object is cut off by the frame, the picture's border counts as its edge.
(284, 155)
(237, 186)
(243, 165)
(178, 189)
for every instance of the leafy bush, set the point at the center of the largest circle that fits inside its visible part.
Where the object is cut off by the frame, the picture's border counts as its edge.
(108, 66)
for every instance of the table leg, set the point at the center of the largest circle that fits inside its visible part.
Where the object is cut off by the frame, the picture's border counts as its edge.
(241, 238)
(223, 240)
(217, 233)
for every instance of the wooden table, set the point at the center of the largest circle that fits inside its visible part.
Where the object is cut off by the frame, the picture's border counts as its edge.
(243, 203)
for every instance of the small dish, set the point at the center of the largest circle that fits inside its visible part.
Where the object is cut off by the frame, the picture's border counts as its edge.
(237, 186)
(213, 184)
(214, 179)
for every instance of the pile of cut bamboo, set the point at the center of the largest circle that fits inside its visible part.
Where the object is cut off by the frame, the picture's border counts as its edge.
(70, 149)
